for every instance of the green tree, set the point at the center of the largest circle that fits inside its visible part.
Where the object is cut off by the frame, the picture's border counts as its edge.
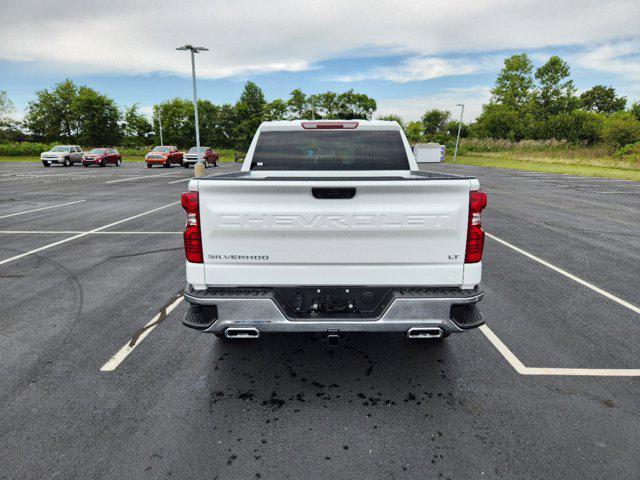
(414, 132)
(177, 122)
(328, 105)
(9, 128)
(435, 121)
(136, 129)
(225, 130)
(250, 110)
(576, 126)
(208, 118)
(452, 129)
(556, 90)
(6, 108)
(97, 117)
(393, 118)
(620, 129)
(514, 84)
(351, 105)
(499, 121)
(297, 104)
(50, 117)
(276, 110)
(601, 99)
(635, 109)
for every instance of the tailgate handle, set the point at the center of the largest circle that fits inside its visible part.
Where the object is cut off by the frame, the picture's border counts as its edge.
(334, 193)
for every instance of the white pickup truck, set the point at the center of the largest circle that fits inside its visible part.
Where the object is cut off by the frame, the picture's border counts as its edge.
(330, 227)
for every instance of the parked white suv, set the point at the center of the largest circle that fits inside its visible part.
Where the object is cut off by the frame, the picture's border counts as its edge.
(62, 154)
(330, 227)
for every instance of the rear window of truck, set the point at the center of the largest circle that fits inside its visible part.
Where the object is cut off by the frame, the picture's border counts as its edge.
(330, 150)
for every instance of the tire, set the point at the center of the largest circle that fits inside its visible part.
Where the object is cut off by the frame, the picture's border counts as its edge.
(86, 165)
(103, 164)
(118, 162)
(46, 164)
(66, 162)
(185, 165)
(148, 165)
(168, 164)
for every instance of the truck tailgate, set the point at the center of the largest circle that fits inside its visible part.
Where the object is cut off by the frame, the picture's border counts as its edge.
(276, 232)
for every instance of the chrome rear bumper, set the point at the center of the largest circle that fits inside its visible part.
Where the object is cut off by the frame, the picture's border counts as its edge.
(216, 310)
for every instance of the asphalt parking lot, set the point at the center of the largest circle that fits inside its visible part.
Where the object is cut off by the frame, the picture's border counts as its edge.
(101, 380)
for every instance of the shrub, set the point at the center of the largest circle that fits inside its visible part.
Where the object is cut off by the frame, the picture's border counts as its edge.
(23, 149)
(621, 129)
(629, 152)
(577, 126)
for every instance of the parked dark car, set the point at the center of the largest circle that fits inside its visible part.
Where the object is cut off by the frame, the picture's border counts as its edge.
(102, 157)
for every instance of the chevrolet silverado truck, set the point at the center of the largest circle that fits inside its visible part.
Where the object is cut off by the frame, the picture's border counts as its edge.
(330, 227)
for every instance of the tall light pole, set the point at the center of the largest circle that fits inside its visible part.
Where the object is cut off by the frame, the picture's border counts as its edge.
(160, 125)
(199, 166)
(455, 152)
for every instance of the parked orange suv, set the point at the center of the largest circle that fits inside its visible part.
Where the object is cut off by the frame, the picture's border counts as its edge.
(165, 155)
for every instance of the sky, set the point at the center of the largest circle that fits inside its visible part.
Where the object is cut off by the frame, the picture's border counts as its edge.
(408, 55)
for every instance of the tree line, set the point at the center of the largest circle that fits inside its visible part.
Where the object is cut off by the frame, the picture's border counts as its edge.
(539, 104)
(69, 113)
(526, 103)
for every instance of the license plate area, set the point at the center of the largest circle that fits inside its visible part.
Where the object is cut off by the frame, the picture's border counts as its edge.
(333, 302)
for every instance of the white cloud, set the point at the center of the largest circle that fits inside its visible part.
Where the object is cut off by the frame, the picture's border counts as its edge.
(413, 108)
(427, 68)
(253, 36)
(622, 58)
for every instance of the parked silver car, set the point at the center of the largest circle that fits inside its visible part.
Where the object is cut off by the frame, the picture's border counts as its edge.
(62, 154)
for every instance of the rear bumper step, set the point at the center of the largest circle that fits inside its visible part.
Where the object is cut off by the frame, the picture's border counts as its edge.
(425, 312)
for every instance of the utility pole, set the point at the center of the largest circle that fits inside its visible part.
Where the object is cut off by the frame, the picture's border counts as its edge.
(160, 125)
(199, 166)
(455, 152)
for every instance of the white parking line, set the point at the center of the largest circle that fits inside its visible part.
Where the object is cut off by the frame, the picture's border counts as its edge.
(151, 175)
(84, 234)
(582, 372)
(181, 180)
(121, 354)
(40, 209)
(579, 280)
(578, 372)
(70, 232)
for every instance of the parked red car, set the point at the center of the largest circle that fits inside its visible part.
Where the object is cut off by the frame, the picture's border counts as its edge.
(102, 157)
(208, 155)
(165, 155)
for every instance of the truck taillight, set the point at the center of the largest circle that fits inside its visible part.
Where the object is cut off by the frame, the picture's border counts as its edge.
(475, 234)
(192, 235)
